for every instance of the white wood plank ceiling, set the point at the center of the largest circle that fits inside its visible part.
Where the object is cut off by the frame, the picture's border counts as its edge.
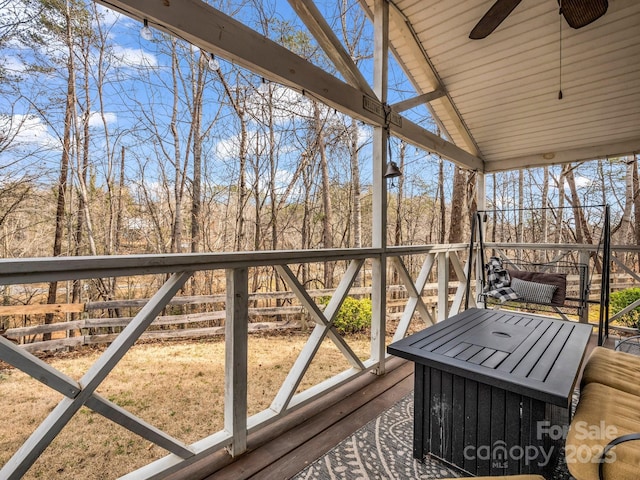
(502, 91)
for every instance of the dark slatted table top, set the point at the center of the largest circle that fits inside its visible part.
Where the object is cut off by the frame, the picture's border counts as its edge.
(531, 355)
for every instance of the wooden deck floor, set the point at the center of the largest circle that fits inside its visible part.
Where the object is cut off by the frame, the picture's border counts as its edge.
(284, 448)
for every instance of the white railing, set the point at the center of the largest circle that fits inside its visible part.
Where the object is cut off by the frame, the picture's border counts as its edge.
(414, 265)
(425, 262)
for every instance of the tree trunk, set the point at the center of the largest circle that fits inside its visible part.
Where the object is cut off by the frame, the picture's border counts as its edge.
(561, 200)
(520, 224)
(179, 174)
(494, 200)
(356, 191)
(397, 237)
(64, 166)
(624, 229)
(196, 181)
(441, 201)
(305, 234)
(544, 223)
(583, 234)
(327, 220)
(118, 233)
(238, 104)
(457, 205)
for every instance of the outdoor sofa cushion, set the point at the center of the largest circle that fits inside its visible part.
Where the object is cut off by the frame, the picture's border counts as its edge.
(557, 279)
(615, 369)
(603, 414)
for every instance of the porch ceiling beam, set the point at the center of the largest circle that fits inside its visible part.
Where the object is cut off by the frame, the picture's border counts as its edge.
(320, 29)
(402, 27)
(213, 31)
(581, 154)
(419, 100)
(416, 135)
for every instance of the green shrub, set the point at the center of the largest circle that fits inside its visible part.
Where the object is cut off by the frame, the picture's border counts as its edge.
(623, 298)
(354, 315)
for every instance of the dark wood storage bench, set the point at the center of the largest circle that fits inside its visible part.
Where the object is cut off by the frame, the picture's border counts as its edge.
(493, 389)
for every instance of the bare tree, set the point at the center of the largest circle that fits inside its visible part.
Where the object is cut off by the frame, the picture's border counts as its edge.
(356, 190)
(397, 237)
(441, 201)
(238, 99)
(67, 35)
(457, 205)
(624, 229)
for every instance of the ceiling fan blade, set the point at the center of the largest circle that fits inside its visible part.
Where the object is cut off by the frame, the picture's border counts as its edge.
(579, 13)
(494, 17)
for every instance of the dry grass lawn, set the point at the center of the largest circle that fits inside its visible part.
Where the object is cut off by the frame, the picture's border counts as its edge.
(177, 387)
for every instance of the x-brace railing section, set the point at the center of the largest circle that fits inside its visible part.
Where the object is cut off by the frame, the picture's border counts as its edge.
(414, 291)
(77, 394)
(461, 273)
(324, 327)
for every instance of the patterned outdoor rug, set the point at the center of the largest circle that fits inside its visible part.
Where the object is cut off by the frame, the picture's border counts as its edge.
(382, 450)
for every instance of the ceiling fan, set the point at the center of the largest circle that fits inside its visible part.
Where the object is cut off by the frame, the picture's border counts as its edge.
(577, 13)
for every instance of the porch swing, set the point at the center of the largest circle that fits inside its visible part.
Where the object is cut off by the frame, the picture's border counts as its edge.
(540, 287)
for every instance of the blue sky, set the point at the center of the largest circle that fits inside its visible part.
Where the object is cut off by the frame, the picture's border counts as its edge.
(133, 57)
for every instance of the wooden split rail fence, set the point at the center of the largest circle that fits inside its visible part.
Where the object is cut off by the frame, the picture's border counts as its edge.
(94, 329)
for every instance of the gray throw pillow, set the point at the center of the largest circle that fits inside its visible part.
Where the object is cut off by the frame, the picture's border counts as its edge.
(533, 291)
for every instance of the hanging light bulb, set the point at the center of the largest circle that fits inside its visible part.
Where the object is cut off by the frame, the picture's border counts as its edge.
(213, 64)
(263, 89)
(145, 31)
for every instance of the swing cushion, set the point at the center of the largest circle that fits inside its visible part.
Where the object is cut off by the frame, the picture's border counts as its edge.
(533, 291)
(557, 280)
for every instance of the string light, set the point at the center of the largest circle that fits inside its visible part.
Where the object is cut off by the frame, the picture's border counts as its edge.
(213, 64)
(145, 31)
(263, 88)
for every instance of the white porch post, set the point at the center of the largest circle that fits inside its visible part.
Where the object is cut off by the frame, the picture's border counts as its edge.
(379, 222)
(236, 350)
(443, 286)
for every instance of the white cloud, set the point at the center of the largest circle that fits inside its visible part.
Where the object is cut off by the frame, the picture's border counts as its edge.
(95, 119)
(132, 58)
(583, 182)
(29, 130)
(287, 103)
(13, 64)
(153, 190)
(228, 148)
